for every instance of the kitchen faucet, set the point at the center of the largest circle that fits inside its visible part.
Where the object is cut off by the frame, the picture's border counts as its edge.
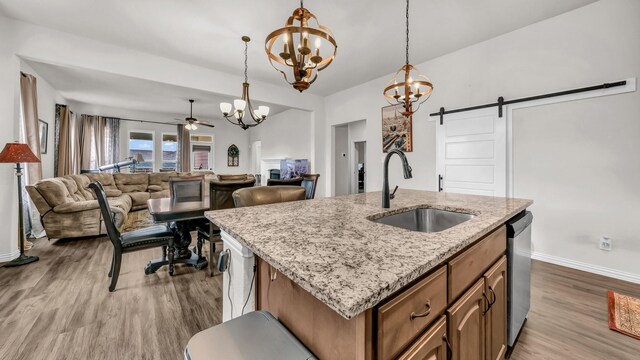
(386, 197)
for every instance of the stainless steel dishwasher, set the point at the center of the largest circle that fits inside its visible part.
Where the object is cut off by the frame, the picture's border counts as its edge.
(519, 274)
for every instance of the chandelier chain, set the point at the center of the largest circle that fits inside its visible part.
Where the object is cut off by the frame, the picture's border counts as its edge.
(407, 49)
(246, 78)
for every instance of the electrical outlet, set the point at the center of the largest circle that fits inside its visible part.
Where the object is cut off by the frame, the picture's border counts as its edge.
(606, 243)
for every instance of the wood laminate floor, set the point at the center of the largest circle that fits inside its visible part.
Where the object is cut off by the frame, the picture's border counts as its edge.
(59, 308)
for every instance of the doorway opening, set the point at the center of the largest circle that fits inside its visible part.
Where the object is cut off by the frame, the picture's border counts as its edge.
(359, 172)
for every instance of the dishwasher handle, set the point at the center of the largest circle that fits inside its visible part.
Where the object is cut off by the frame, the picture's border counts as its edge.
(519, 223)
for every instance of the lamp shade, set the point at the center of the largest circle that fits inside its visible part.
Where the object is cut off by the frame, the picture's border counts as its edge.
(139, 158)
(18, 153)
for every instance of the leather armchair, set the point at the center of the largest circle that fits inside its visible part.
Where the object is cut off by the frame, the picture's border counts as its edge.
(263, 195)
(277, 182)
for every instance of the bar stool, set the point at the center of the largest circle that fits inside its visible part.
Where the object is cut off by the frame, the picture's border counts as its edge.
(256, 335)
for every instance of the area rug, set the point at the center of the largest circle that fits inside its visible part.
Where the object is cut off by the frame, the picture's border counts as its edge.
(624, 314)
(137, 220)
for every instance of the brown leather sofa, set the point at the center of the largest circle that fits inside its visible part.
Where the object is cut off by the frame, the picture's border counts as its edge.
(69, 209)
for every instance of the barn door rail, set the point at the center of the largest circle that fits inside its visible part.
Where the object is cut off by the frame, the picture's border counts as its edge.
(501, 101)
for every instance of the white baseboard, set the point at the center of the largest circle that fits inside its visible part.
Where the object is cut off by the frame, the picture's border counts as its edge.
(10, 256)
(578, 265)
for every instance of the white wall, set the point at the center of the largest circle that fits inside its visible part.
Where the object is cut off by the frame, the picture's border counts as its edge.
(285, 135)
(590, 45)
(48, 97)
(581, 166)
(9, 121)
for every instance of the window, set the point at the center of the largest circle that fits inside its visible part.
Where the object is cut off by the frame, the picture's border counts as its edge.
(201, 156)
(141, 143)
(169, 152)
(201, 152)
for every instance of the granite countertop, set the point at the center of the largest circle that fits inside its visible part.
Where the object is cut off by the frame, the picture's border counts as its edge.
(330, 248)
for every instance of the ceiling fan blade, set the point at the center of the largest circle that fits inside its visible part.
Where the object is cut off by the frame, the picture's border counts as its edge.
(205, 124)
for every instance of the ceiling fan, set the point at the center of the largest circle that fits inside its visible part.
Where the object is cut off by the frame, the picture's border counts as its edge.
(191, 121)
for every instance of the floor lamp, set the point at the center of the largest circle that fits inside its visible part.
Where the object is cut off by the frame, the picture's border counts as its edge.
(19, 153)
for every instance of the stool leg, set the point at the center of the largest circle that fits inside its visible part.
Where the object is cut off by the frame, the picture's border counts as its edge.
(164, 252)
(200, 240)
(212, 255)
(171, 250)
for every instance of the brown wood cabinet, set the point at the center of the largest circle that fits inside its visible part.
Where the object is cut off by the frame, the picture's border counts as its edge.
(430, 346)
(467, 267)
(463, 302)
(406, 316)
(495, 280)
(466, 324)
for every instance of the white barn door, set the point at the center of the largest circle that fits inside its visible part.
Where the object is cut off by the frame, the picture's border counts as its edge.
(471, 153)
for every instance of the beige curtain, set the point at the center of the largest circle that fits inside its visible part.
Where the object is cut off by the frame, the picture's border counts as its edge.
(68, 160)
(31, 136)
(99, 138)
(30, 125)
(86, 132)
(184, 149)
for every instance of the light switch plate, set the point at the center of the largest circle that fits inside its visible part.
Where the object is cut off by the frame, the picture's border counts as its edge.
(605, 243)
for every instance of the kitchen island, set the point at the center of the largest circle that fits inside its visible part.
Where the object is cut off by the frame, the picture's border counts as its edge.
(329, 272)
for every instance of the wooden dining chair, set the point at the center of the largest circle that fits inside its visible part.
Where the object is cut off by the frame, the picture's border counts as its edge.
(141, 239)
(309, 182)
(187, 189)
(297, 181)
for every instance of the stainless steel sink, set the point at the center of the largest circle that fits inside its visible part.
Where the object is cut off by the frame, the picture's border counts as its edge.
(425, 219)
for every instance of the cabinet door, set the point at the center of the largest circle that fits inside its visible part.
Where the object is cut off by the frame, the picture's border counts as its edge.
(431, 345)
(466, 324)
(496, 318)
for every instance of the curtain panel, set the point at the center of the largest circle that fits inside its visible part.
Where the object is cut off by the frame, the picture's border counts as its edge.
(67, 146)
(183, 149)
(112, 141)
(31, 136)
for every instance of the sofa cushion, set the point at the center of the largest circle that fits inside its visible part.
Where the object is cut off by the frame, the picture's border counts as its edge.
(83, 186)
(138, 198)
(128, 183)
(74, 190)
(54, 191)
(160, 181)
(159, 194)
(122, 202)
(106, 179)
(77, 206)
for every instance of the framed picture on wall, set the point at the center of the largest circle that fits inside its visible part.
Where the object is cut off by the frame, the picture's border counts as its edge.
(44, 135)
(397, 130)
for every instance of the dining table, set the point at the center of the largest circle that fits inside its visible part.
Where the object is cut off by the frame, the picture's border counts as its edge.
(182, 217)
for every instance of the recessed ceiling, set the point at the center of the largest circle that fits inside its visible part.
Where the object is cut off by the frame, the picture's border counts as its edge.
(370, 33)
(121, 92)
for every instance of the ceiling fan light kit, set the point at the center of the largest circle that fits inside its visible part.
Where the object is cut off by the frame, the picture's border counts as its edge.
(300, 31)
(191, 121)
(236, 113)
(408, 86)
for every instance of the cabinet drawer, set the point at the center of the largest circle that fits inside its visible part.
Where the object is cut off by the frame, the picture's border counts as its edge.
(431, 345)
(465, 268)
(408, 314)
